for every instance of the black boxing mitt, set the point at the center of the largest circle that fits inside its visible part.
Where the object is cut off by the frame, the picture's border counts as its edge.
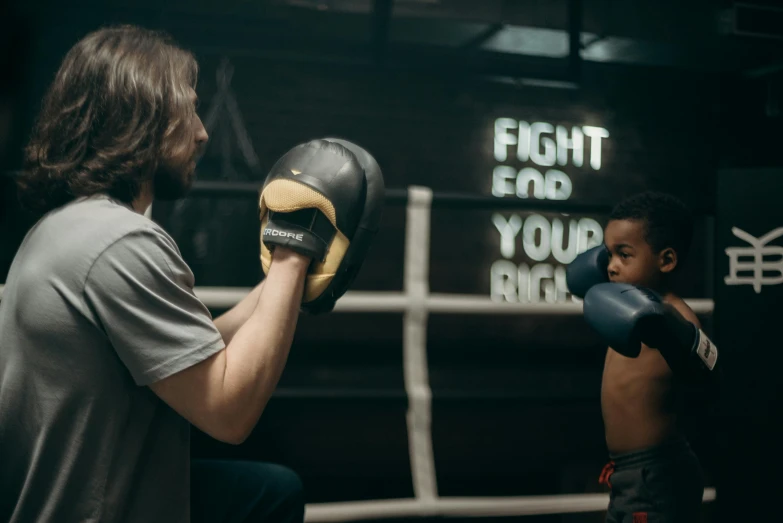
(315, 201)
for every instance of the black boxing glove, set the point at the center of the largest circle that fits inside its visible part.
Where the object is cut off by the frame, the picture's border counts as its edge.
(588, 268)
(627, 316)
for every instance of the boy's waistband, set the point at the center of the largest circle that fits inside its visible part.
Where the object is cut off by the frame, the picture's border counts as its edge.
(669, 450)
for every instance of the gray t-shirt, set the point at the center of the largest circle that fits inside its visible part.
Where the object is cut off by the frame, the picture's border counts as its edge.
(98, 304)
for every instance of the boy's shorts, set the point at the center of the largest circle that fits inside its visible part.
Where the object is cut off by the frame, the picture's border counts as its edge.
(662, 484)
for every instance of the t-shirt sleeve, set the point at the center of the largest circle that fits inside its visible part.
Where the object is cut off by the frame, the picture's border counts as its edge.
(141, 293)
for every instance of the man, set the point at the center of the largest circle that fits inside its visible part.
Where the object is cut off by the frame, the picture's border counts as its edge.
(106, 354)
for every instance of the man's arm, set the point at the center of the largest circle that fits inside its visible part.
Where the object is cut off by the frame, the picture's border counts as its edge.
(141, 291)
(230, 321)
(225, 394)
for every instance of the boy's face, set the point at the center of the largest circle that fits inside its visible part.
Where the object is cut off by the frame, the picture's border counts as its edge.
(631, 259)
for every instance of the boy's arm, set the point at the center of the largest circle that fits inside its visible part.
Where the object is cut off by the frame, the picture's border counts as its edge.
(683, 308)
(627, 316)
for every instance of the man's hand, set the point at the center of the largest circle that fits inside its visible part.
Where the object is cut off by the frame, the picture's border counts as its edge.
(323, 200)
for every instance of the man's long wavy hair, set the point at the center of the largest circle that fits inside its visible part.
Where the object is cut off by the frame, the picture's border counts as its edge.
(120, 105)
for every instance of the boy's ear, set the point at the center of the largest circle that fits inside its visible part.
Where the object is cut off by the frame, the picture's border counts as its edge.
(667, 260)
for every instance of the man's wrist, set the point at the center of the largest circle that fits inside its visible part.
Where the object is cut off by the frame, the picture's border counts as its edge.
(289, 257)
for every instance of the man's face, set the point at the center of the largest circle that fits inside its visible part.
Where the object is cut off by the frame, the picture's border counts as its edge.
(176, 174)
(631, 259)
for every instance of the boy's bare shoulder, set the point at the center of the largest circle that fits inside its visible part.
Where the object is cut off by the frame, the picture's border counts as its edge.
(683, 308)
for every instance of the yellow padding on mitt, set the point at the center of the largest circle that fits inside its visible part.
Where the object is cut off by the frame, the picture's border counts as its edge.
(289, 196)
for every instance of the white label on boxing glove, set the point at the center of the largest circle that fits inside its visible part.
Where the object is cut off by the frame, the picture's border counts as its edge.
(707, 350)
(283, 234)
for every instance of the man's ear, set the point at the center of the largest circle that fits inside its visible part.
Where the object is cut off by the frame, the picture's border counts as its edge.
(667, 260)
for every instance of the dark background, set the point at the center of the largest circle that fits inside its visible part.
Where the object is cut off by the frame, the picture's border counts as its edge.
(685, 89)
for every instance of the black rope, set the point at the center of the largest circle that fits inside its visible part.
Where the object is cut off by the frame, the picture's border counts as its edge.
(440, 199)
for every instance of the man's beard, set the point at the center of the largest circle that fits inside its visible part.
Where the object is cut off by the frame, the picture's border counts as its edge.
(172, 182)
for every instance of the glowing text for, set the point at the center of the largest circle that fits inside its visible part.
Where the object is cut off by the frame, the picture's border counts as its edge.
(554, 185)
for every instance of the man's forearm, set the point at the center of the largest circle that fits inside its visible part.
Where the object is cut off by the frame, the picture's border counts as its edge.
(229, 322)
(257, 354)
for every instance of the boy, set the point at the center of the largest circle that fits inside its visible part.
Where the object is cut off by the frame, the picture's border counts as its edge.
(653, 473)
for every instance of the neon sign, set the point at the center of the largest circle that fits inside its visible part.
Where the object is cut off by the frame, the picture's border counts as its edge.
(534, 144)
(549, 146)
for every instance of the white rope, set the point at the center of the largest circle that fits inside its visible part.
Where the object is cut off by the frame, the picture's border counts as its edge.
(464, 507)
(474, 304)
(414, 342)
(373, 302)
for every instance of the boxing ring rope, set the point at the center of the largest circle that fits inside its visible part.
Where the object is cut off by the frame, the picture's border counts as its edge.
(416, 302)
(391, 301)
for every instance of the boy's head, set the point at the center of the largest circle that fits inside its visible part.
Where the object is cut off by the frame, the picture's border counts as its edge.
(648, 237)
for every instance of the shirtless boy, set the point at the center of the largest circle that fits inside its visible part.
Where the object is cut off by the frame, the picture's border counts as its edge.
(656, 352)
